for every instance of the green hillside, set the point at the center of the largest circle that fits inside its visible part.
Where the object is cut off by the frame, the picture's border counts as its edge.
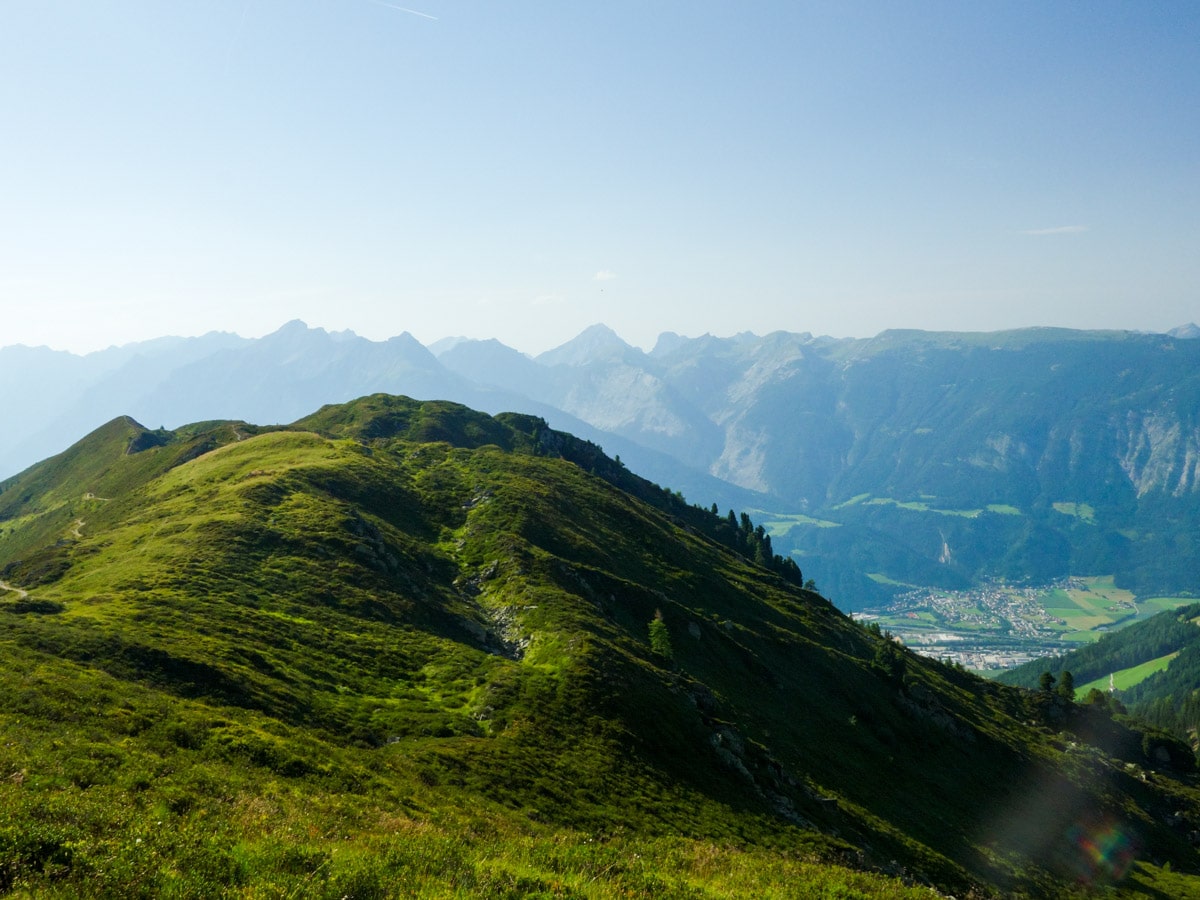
(1124, 679)
(405, 649)
(1135, 645)
(1155, 668)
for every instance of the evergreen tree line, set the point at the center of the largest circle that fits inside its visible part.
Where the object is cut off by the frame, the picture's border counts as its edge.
(742, 536)
(1177, 714)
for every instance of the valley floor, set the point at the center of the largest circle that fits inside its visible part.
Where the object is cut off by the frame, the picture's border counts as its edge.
(1001, 625)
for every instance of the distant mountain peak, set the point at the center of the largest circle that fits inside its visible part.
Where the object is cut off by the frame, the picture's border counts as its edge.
(406, 338)
(294, 326)
(1190, 331)
(596, 343)
(599, 328)
(295, 329)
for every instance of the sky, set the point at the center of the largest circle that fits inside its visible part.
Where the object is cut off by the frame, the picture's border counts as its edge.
(523, 170)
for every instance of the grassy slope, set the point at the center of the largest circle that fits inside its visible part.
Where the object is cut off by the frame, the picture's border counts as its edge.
(299, 662)
(1126, 678)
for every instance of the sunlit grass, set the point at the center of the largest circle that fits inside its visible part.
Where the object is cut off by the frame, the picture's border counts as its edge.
(1124, 679)
(1082, 511)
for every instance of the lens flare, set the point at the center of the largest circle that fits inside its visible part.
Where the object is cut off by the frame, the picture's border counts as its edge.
(1104, 851)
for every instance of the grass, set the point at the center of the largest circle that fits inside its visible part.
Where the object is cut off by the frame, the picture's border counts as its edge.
(922, 506)
(778, 524)
(1152, 606)
(925, 504)
(880, 578)
(1082, 511)
(352, 663)
(1127, 678)
(853, 501)
(269, 846)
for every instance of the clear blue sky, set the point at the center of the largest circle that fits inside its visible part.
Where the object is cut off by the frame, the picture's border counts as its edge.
(522, 170)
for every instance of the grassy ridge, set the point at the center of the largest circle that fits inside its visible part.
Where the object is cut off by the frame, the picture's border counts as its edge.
(340, 659)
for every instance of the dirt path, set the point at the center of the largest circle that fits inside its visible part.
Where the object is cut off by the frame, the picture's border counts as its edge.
(21, 594)
(74, 530)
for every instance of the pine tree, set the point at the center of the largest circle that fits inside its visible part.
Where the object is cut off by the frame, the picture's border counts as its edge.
(1066, 686)
(660, 636)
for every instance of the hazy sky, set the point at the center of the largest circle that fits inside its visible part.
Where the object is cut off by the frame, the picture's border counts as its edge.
(522, 170)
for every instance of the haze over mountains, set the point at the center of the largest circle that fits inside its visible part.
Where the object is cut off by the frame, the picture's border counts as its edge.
(909, 458)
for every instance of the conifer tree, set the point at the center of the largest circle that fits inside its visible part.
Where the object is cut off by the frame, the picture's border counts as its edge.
(660, 637)
(1066, 686)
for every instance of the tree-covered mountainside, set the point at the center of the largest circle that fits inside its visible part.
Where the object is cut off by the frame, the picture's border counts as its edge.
(1163, 653)
(409, 649)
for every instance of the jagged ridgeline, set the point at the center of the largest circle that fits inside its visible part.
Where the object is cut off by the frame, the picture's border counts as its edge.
(405, 648)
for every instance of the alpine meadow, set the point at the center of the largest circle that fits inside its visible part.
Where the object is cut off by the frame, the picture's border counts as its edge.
(403, 648)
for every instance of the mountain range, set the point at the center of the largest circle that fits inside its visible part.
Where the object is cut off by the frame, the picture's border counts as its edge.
(908, 459)
(402, 648)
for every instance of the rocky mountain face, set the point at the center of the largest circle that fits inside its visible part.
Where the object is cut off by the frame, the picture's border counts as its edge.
(912, 457)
